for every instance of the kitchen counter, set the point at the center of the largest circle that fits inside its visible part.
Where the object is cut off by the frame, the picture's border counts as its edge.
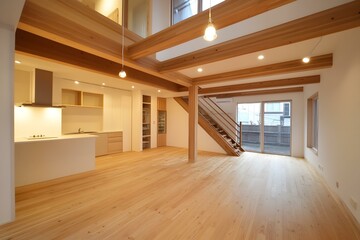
(49, 138)
(42, 159)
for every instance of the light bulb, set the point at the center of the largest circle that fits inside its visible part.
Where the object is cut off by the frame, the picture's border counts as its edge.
(122, 73)
(306, 59)
(261, 57)
(210, 32)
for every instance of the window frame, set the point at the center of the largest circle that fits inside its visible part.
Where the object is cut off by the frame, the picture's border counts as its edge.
(313, 122)
(199, 10)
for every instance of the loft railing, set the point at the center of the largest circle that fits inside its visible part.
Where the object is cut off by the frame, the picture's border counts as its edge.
(231, 127)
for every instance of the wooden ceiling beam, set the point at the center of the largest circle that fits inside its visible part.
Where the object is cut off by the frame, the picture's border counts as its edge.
(258, 92)
(333, 20)
(34, 45)
(73, 24)
(259, 85)
(316, 62)
(224, 14)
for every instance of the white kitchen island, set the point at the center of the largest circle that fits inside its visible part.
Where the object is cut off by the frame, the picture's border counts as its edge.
(38, 160)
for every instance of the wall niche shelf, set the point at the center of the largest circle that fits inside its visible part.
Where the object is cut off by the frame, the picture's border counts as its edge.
(75, 98)
(146, 122)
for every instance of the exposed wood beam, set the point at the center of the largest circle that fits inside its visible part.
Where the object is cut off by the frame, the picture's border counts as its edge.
(75, 25)
(317, 62)
(30, 44)
(264, 84)
(337, 19)
(258, 92)
(224, 14)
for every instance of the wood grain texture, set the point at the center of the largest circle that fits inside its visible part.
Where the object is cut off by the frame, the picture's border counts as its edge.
(193, 111)
(317, 62)
(259, 92)
(263, 84)
(224, 14)
(333, 20)
(75, 25)
(30, 44)
(157, 195)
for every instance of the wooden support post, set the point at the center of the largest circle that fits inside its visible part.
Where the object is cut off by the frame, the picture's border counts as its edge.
(193, 122)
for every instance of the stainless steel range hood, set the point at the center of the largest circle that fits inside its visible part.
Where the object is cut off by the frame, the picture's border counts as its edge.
(42, 90)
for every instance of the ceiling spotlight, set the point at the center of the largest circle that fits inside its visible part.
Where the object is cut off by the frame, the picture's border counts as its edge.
(261, 57)
(199, 70)
(132, 86)
(159, 90)
(77, 82)
(103, 84)
(306, 59)
(17, 62)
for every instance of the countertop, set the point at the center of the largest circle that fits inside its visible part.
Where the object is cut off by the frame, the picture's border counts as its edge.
(62, 137)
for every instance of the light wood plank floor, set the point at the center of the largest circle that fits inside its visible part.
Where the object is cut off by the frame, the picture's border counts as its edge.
(156, 194)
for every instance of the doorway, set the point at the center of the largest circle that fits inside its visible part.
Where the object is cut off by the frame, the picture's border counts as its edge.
(266, 126)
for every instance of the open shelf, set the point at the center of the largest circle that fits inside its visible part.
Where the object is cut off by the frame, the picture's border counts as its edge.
(75, 98)
(146, 122)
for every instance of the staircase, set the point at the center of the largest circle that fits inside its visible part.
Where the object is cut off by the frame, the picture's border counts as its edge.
(220, 126)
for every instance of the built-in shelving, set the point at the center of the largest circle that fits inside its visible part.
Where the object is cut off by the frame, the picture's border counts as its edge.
(161, 128)
(146, 122)
(82, 99)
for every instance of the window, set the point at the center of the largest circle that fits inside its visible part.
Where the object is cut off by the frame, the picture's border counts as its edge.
(312, 122)
(183, 9)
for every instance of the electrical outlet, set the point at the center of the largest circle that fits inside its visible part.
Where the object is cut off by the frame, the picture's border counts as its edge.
(337, 184)
(353, 203)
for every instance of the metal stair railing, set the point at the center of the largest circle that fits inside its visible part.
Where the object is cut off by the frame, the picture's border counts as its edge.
(222, 119)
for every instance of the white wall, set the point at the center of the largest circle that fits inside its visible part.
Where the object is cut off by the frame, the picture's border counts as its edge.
(30, 121)
(178, 129)
(10, 12)
(105, 7)
(161, 17)
(339, 128)
(297, 130)
(115, 116)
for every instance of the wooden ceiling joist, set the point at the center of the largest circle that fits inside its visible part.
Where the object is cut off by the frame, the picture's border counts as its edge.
(31, 44)
(75, 25)
(259, 85)
(258, 92)
(333, 20)
(224, 14)
(316, 62)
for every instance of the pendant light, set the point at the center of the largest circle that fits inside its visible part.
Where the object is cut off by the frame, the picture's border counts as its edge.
(307, 59)
(210, 31)
(122, 73)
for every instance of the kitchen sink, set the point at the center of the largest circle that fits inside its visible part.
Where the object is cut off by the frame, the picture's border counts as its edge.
(81, 132)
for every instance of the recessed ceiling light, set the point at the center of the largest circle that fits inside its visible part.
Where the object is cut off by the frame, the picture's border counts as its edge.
(17, 62)
(159, 90)
(132, 86)
(76, 82)
(103, 84)
(200, 70)
(261, 57)
(306, 59)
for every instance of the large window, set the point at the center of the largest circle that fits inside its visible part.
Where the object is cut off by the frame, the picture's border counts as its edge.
(312, 122)
(266, 126)
(183, 9)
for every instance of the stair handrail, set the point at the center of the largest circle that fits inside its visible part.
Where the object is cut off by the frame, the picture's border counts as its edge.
(220, 118)
(225, 114)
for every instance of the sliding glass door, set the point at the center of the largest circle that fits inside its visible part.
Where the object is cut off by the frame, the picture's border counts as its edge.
(249, 114)
(266, 126)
